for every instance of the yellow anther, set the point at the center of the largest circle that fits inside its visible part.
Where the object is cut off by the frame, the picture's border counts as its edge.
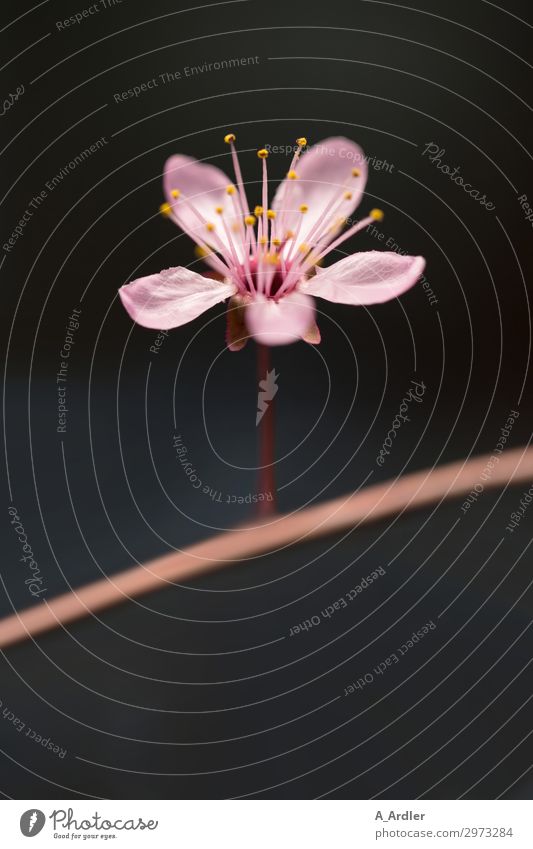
(263, 153)
(303, 248)
(219, 210)
(210, 226)
(348, 196)
(165, 209)
(377, 214)
(292, 175)
(258, 210)
(356, 172)
(230, 190)
(302, 141)
(289, 234)
(175, 193)
(273, 259)
(249, 220)
(276, 242)
(304, 207)
(271, 214)
(200, 252)
(229, 138)
(263, 240)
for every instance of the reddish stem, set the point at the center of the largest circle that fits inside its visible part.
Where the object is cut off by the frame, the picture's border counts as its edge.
(266, 482)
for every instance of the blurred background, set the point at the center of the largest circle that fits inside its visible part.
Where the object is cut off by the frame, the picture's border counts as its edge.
(199, 691)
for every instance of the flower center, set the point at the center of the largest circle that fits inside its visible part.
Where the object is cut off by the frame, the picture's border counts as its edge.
(267, 276)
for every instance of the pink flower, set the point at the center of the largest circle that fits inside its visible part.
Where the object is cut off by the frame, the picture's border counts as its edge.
(267, 262)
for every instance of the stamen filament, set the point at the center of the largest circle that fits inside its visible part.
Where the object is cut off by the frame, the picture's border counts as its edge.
(221, 248)
(319, 222)
(346, 235)
(301, 142)
(238, 175)
(234, 254)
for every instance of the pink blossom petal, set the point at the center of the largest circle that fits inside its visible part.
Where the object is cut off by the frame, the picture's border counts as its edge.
(172, 298)
(202, 188)
(366, 278)
(282, 322)
(324, 176)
